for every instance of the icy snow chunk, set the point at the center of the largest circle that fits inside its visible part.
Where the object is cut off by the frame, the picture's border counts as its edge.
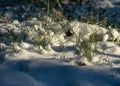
(26, 45)
(105, 37)
(114, 34)
(2, 30)
(16, 22)
(2, 46)
(34, 19)
(36, 27)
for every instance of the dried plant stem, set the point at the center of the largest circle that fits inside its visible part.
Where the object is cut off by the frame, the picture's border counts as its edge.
(48, 7)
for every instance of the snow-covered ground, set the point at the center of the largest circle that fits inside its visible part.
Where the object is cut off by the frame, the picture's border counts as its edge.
(25, 63)
(38, 52)
(51, 73)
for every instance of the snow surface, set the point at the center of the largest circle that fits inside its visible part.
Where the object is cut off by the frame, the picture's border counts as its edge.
(53, 73)
(26, 66)
(29, 68)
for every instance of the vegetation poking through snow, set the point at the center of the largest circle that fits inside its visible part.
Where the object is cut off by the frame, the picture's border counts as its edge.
(41, 39)
(47, 27)
(88, 47)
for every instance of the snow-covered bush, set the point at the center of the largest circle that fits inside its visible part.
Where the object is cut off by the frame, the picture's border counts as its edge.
(87, 47)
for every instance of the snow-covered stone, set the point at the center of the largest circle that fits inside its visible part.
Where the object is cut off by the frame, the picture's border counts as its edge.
(2, 46)
(83, 61)
(114, 34)
(16, 22)
(36, 27)
(105, 37)
(34, 19)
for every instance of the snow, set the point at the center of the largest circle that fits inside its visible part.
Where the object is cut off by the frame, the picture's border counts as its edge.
(52, 73)
(15, 78)
(54, 62)
(33, 69)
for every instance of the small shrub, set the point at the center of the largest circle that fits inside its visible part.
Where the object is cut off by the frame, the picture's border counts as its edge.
(44, 40)
(87, 47)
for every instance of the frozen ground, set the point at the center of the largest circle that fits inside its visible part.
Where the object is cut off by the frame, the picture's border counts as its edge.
(27, 58)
